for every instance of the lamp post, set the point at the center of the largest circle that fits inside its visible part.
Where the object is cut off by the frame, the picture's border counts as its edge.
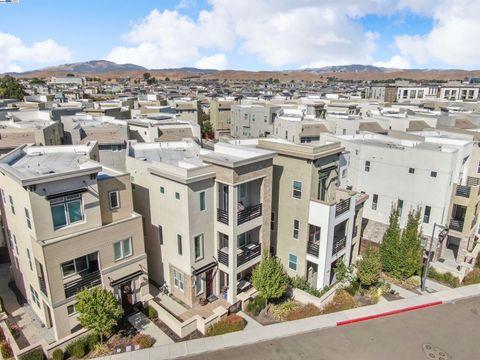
(427, 263)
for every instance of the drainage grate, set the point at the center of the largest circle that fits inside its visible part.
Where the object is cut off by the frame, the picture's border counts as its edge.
(434, 353)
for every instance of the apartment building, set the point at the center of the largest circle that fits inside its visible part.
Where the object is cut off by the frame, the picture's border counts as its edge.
(220, 109)
(187, 109)
(253, 120)
(206, 213)
(459, 92)
(161, 127)
(70, 225)
(315, 224)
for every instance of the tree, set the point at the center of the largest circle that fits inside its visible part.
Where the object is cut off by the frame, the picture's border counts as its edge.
(206, 125)
(343, 273)
(270, 278)
(98, 310)
(167, 79)
(10, 88)
(389, 248)
(370, 267)
(146, 76)
(151, 80)
(37, 81)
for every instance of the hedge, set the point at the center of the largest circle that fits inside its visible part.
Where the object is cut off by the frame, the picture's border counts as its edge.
(36, 354)
(447, 278)
(230, 324)
(473, 277)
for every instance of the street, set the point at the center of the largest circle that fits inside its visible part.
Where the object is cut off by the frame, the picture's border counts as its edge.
(448, 332)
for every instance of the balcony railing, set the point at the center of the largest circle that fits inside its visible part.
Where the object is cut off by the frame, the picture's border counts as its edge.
(355, 231)
(339, 245)
(249, 213)
(86, 281)
(456, 225)
(342, 207)
(473, 181)
(248, 253)
(222, 216)
(463, 191)
(223, 256)
(313, 248)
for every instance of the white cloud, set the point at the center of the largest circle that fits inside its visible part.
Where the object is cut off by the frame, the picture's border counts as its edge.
(453, 39)
(396, 62)
(217, 61)
(13, 51)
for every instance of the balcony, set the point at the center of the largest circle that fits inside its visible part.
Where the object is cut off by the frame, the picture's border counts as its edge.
(247, 253)
(223, 256)
(463, 191)
(456, 224)
(339, 245)
(342, 207)
(87, 280)
(313, 248)
(222, 216)
(249, 213)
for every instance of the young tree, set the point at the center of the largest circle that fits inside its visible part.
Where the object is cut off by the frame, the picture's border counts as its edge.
(146, 76)
(10, 88)
(370, 267)
(389, 248)
(98, 310)
(411, 247)
(270, 278)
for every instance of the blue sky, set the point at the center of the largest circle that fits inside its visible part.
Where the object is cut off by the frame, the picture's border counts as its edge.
(246, 34)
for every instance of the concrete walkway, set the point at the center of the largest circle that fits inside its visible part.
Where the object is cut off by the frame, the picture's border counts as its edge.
(173, 306)
(251, 323)
(435, 286)
(404, 293)
(144, 325)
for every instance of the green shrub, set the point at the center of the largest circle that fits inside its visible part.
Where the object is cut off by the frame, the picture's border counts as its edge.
(280, 311)
(353, 287)
(230, 324)
(473, 277)
(78, 348)
(143, 340)
(447, 278)
(100, 350)
(58, 354)
(6, 350)
(35, 354)
(256, 305)
(303, 312)
(370, 267)
(301, 282)
(152, 313)
(341, 301)
(92, 340)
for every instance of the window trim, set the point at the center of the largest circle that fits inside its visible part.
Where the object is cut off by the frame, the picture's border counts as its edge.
(180, 280)
(204, 195)
(64, 201)
(296, 229)
(122, 249)
(292, 262)
(110, 199)
(293, 189)
(179, 245)
(160, 234)
(202, 253)
(75, 266)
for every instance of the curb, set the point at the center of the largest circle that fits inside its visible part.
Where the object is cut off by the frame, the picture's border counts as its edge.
(388, 313)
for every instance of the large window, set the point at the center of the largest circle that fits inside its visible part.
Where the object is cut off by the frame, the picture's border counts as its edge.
(198, 247)
(114, 199)
(314, 233)
(296, 228)
(426, 214)
(179, 245)
(203, 204)
(75, 266)
(292, 262)
(66, 210)
(178, 280)
(297, 189)
(122, 249)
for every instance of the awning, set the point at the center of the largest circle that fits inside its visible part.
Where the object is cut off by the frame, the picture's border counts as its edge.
(67, 193)
(204, 268)
(126, 278)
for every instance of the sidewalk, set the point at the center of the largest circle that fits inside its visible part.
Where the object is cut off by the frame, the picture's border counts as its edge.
(144, 325)
(251, 323)
(436, 286)
(404, 293)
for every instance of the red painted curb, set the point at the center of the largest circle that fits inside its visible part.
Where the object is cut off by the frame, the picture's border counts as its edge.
(388, 313)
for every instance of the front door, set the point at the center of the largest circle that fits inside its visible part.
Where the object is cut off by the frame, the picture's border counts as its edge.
(208, 283)
(127, 296)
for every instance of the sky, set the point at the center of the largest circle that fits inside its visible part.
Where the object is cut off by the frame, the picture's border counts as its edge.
(241, 34)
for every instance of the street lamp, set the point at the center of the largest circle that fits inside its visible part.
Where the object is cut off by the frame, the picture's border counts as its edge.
(427, 263)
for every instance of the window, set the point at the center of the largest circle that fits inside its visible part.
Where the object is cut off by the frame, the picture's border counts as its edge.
(242, 190)
(160, 234)
(374, 202)
(272, 222)
(198, 247)
(433, 173)
(297, 189)
(367, 166)
(177, 195)
(292, 262)
(411, 170)
(426, 214)
(66, 210)
(34, 296)
(198, 285)
(400, 206)
(5, 201)
(11, 204)
(27, 218)
(478, 168)
(29, 260)
(114, 199)
(71, 310)
(75, 266)
(16, 245)
(242, 240)
(179, 245)
(203, 204)
(314, 233)
(122, 249)
(296, 226)
(178, 280)
(162, 190)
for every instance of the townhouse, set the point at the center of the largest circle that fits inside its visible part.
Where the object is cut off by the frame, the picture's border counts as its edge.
(220, 109)
(253, 119)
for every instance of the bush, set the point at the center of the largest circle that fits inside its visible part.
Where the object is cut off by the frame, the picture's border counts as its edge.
(447, 278)
(36, 354)
(353, 287)
(100, 350)
(303, 312)
(6, 350)
(152, 313)
(477, 261)
(58, 354)
(92, 340)
(143, 340)
(301, 282)
(473, 277)
(341, 301)
(2, 335)
(280, 311)
(370, 267)
(256, 305)
(77, 348)
(230, 324)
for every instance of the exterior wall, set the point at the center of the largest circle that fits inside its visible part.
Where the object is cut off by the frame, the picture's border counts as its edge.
(220, 116)
(252, 120)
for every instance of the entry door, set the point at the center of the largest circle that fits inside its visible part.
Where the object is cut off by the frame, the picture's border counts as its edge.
(127, 295)
(208, 283)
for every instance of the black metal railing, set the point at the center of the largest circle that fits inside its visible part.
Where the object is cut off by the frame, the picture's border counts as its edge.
(339, 244)
(342, 207)
(473, 181)
(223, 257)
(456, 224)
(249, 213)
(463, 191)
(86, 281)
(313, 248)
(222, 216)
(248, 253)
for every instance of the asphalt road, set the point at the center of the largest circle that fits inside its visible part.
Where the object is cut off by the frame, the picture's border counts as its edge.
(444, 332)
